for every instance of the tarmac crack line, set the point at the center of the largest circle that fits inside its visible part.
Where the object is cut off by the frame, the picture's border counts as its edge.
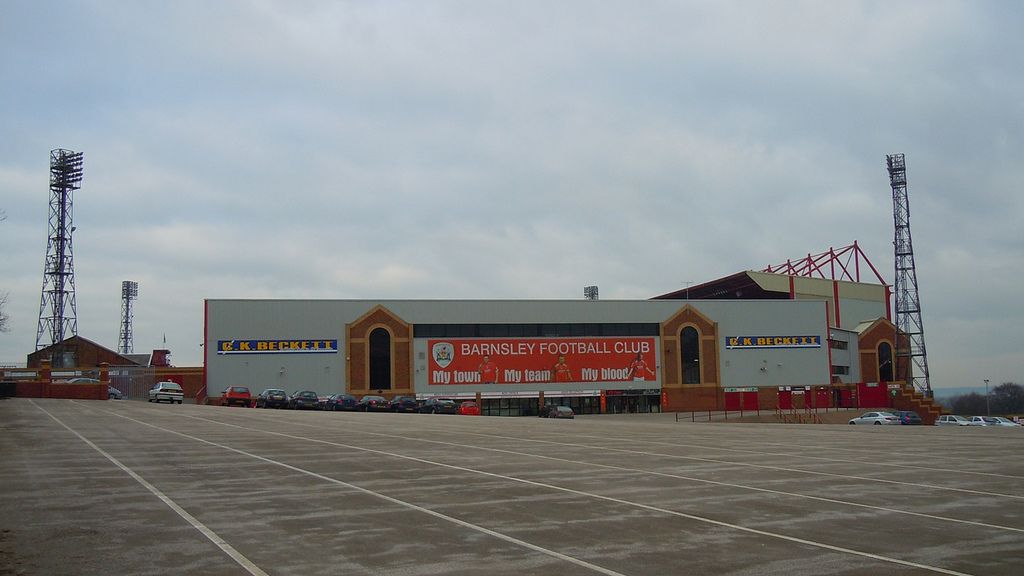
(210, 535)
(703, 519)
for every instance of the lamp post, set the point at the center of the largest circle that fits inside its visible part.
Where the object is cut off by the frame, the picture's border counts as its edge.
(988, 410)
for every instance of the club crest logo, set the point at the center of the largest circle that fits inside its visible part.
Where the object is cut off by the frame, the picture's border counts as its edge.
(443, 353)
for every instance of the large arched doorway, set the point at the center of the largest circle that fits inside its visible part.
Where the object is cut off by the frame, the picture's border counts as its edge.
(885, 365)
(380, 359)
(689, 353)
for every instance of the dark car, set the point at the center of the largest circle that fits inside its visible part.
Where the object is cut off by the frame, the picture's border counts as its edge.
(342, 402)
(403, 404)
(272, 398)
(304, 400)
(908, 417)
(373, 404)
(439, 406)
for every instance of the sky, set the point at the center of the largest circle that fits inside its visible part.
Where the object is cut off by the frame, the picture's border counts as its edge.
(524, 150)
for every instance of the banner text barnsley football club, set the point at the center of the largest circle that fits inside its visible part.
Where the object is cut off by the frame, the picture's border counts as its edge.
(536, 360)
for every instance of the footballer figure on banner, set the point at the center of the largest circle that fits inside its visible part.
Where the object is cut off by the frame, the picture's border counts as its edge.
(638, 369)
(488, 371)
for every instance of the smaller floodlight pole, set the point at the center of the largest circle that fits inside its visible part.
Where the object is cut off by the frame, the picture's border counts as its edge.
(129, 292)
(590, 292)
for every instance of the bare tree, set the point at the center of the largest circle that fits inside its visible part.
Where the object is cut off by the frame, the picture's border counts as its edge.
(3, 315)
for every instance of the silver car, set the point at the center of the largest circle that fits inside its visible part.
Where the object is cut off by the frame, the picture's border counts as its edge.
(166, 392)
(876, 418)
(983, 421)
(1006, 422)
(952, 420)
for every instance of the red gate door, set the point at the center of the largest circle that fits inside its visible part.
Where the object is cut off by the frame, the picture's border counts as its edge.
(785, 399)
(732, 401)
(750, 402)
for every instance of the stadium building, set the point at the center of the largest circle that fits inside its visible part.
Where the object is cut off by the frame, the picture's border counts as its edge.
(751, 341)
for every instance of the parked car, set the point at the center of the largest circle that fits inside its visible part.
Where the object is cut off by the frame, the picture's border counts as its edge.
(83, 381)
(951, 420)
(561, 412)
(372, 404)
(469, 408)
(115, 394)
(1006, 422)
(272, 398)
(342, 402)
(982, 421)
(236, 395)
(166, 392)
(908, 417)
(439, 406)
(304, 400)
(403, 404)
(875, 418)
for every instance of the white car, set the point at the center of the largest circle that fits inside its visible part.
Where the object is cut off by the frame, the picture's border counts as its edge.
(1006, 422)
(952, 420)
(876, 418)
(983, 421)
(166, 392)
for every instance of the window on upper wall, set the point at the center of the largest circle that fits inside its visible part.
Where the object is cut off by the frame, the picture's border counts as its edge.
(838, 344)
(885, 370)
(840, 370)
(689, 345)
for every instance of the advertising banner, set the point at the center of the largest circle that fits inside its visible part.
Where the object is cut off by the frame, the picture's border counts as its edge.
(541, 360)
(277, 346)
(754, 342)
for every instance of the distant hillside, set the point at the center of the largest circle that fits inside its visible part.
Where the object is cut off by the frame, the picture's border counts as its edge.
(941, 393)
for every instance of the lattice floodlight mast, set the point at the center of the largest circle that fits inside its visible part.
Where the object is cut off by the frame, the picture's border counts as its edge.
(129, 292)
(590, 292)
(910, 329)
(58, 316)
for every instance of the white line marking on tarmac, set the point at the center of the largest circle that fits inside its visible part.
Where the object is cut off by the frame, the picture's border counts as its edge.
(212, 536)
(668, 475)
(703, 519)
(453, 520)
(762, 466)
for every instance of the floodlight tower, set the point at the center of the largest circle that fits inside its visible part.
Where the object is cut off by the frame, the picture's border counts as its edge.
(590, 292)
(909, 327)
(58, 316)
(129, 292)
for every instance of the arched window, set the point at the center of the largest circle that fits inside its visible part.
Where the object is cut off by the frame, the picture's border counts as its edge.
(689, 344)
(380, 359)
(885, 368)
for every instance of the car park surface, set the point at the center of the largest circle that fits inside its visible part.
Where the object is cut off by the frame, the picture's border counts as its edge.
(94, 487)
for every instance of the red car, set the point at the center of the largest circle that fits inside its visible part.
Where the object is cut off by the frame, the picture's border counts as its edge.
(236, 395)
(469, 409)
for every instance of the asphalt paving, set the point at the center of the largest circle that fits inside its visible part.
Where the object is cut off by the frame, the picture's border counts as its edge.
(128, 487)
